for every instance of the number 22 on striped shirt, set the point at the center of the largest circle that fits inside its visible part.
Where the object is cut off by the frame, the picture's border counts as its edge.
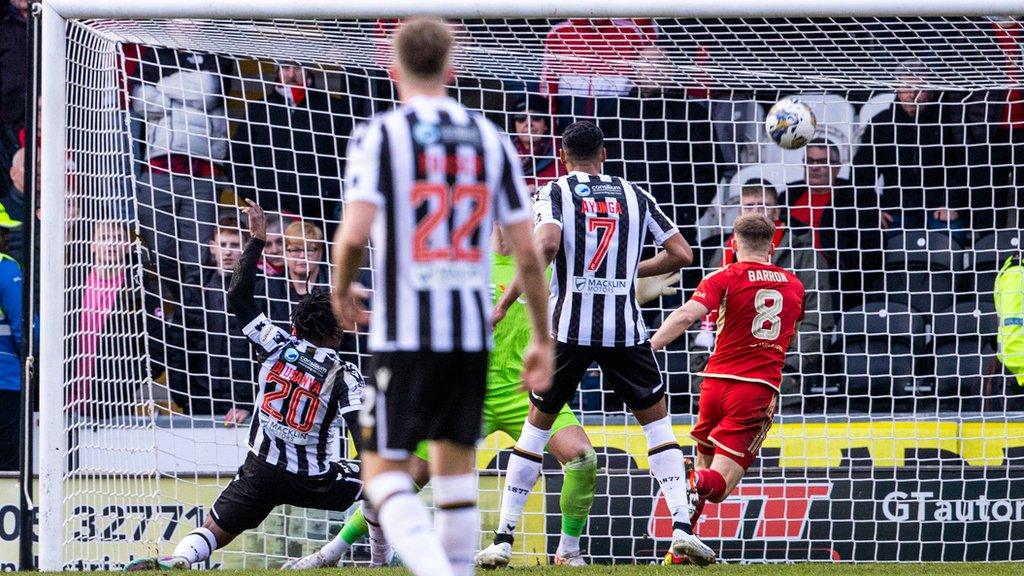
(445, 201)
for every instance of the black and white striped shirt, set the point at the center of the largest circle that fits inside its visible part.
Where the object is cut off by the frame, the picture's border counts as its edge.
(605, 224)
(303, 391)
(441, 176)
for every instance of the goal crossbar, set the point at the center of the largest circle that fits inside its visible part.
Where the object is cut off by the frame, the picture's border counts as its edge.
(260, 9)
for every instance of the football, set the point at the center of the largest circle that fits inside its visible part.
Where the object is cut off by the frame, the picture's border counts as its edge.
(790, 123)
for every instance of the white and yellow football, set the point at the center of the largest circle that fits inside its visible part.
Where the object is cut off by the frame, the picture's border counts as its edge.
(790, 123)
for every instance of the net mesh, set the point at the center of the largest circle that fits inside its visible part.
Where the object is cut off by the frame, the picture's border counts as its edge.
(900, 436)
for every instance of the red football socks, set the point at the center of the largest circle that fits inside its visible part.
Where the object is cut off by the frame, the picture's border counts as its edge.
(697, 511)
(710, 484)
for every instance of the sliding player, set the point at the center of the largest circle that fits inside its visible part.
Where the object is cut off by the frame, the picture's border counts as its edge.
(505, 410)
(741, 380)
(303, 388)
(594, 228)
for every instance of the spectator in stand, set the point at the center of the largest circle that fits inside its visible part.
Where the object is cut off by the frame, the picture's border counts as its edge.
(10, 348)
(181, 100)
(220, 364)
(613, 70)
(917, 147)
(17, 170)
(288, 154)
(273, 263)
(809, 199)
(130, 60)
(107, 327)
(677, 156)
(590, 64)
(843, 223)
(306, 270)
(597, 57)
(795, 253)
(534, 141)
(14, 77)
(15, 203)
(995, 138)
(17, 206)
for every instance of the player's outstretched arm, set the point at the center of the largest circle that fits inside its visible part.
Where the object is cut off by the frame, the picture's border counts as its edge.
(349, 250)
(548, 238)
(677, 322)
(676, 254)
(538, 358)
(241, 301)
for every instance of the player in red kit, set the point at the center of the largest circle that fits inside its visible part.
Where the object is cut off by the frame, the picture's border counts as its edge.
(759, 306)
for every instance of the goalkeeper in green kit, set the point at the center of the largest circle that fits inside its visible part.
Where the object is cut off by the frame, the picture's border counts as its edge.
(505, 408)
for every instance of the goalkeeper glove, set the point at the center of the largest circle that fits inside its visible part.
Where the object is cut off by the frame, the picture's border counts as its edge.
(653, 287)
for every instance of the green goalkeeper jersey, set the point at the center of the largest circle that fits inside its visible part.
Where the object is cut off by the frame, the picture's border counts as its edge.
(506, 406)
(511, 336)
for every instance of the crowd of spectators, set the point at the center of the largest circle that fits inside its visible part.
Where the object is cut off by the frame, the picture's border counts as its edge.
(203, 140)
(289, 144)
(179, 98)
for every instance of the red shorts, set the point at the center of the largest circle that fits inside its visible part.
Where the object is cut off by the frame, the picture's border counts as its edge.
(733, 418)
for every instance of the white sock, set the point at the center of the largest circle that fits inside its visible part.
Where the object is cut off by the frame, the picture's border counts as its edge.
(406, 524)
(568, 544)
(334, 549)
(666, 463)
(524, 467)
(196, 546)
(458, 519)
(380, 550)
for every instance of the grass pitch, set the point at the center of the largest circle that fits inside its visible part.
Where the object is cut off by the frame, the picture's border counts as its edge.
(807, 569)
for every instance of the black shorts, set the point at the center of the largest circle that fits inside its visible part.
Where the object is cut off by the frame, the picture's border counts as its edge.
(630, 371)
(260, 487)
(415, 396)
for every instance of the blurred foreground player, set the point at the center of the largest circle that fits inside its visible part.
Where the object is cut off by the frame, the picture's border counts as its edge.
(741, 380)
(303, 388)
(429, 179)
(506, 406)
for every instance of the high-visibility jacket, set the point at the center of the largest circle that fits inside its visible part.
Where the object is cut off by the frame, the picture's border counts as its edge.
(1009, 296)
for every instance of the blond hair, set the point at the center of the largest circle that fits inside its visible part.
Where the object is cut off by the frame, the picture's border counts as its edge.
(302, 234)
(754, 232)
(423, 47)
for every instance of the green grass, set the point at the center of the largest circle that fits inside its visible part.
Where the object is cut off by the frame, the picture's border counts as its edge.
(721, 569)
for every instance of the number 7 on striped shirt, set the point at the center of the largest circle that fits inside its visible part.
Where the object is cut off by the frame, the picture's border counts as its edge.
(608, 225)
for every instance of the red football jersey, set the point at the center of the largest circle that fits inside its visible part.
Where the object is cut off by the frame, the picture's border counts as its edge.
(759, 306)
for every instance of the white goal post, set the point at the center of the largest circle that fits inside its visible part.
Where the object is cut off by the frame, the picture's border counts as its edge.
(110, 24)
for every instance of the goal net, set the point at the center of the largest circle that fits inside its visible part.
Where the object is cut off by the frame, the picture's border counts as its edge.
(900, 435)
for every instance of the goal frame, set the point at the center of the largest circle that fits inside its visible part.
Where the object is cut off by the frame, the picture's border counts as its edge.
(52, 77)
